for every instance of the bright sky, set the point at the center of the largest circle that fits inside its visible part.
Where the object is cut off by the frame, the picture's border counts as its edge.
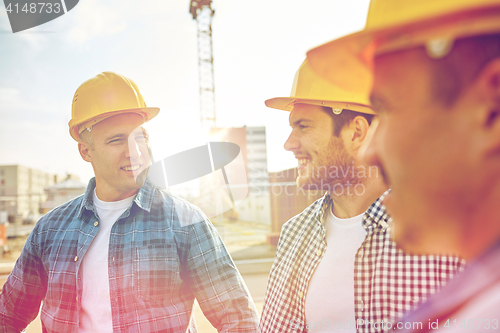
(258, 46)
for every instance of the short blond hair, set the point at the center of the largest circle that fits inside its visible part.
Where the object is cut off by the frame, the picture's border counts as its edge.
(86, 136)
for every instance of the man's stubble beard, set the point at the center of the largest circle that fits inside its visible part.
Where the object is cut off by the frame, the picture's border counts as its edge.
(338, 169)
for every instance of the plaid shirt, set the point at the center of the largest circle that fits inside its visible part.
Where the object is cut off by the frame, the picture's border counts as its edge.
(387, 282)
(163, 253)
(470, 302)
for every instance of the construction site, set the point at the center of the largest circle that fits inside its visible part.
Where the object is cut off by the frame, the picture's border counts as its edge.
(249, 224)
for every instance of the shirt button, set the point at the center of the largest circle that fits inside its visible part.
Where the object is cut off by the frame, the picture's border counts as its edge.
(96, 224)
(301, 294)
(319, 253)
(361, 305)
(76, 258)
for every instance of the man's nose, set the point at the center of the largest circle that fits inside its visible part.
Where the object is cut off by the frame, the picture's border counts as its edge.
(134, 151)
(291, 143)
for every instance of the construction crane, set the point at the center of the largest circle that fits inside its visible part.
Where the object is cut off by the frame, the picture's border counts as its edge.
(202, 12)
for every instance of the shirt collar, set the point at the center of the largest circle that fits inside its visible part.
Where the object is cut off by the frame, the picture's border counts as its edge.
(375, 216)
(145, 196)
(323, 208)
(143, 199)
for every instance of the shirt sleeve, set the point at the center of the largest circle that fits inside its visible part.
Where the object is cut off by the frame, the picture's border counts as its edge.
(215, 281)
(269, 310)
(24, 289)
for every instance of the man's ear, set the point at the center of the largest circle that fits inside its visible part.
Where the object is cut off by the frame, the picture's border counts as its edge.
(362, 155)
(488, 87)
(359, 127)
(84, 149)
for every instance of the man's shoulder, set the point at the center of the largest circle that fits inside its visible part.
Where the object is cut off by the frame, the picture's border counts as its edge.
(165, 197)
(58, 219)
(308, 215)
(65, 211)
(181, 209)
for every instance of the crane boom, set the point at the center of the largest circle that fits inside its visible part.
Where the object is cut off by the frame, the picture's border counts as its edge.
(202, 12)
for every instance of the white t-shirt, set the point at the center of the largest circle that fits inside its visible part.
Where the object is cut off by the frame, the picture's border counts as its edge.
(330, 295)
(95, 314)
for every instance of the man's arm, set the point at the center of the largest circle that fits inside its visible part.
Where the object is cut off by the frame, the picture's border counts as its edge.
(24, 289)
(269, 310)
(215, 281)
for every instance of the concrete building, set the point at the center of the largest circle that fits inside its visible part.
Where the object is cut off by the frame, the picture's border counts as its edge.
(22, 191)
(252, 142)
(257, 160)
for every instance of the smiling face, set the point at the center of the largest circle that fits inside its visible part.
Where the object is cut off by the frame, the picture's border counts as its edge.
(119, 154)
(427, 152)
(322, 157)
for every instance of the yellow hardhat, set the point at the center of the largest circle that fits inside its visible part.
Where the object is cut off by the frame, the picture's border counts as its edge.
(309, 88)
(103, 96)
(395, 25)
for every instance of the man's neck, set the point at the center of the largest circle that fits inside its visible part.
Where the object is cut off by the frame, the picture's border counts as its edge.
(353, 203)
(110, 195)
(480, 229)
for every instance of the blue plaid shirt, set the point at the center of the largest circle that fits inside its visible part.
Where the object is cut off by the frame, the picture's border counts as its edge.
(163, 253)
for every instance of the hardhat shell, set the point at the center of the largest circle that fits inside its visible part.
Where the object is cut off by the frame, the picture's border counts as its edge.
(105, 95)
(310, 88)
(396, 25)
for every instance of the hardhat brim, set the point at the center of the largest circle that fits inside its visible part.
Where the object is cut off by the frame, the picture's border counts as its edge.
(287, 103)
(348, 61)
(148, 113)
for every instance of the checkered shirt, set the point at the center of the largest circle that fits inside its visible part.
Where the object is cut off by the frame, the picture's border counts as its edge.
(163, 253)
(469, 303)
(387, 282)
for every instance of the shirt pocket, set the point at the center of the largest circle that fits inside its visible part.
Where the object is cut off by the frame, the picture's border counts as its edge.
(156, 272)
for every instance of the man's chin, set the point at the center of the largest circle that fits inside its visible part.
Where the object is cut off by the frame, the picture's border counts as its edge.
(306, 185)
(140, 178)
